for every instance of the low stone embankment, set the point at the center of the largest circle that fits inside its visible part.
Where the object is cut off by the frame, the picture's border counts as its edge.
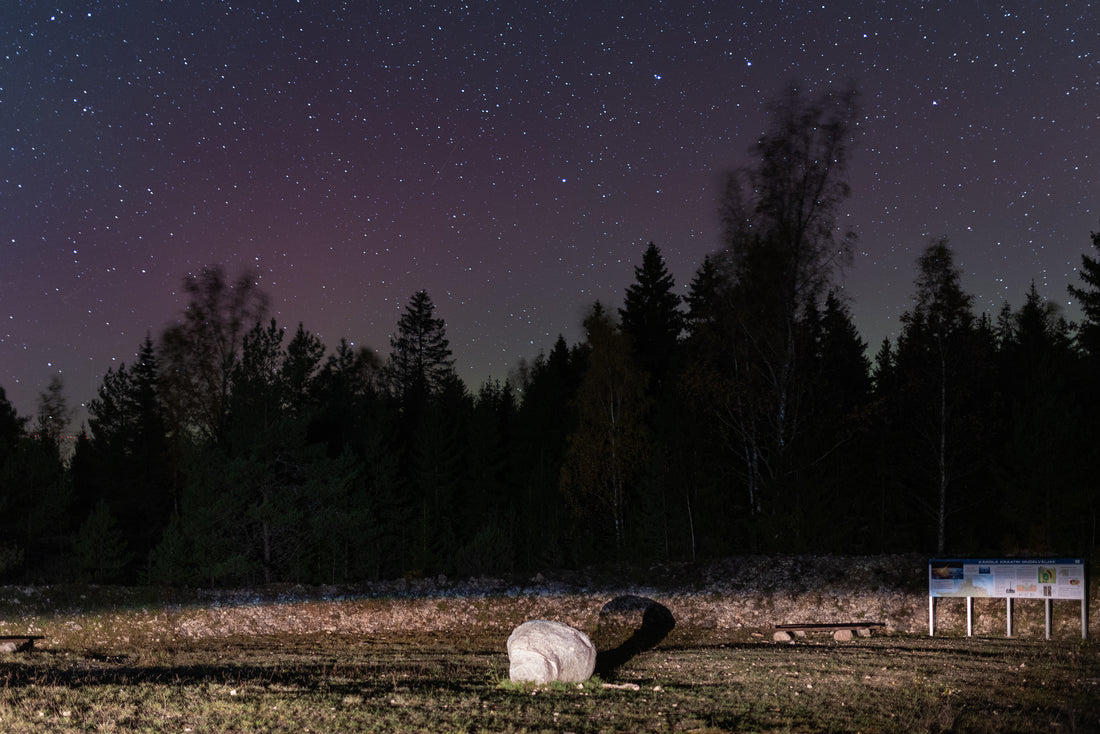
(728, 600)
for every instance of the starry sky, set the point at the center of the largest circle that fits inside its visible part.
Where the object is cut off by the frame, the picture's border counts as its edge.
(511, 158)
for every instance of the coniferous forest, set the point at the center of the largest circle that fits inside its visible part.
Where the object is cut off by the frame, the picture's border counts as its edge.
(747, 416)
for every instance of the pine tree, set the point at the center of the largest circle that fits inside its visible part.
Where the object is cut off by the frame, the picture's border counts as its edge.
(12, 427)
(704, 299)
(420, 363)
(348, 400)
(845, 380)
(300, 368)
(1089, 297)
(101, 552)
(1042, 474)
(547, 416)
(127, 462)
(940, 366)
(650, 318)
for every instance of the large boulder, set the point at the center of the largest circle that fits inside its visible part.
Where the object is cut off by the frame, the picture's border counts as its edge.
(540, 651)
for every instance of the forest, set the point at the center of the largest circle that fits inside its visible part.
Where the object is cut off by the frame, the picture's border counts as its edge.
(747, 416)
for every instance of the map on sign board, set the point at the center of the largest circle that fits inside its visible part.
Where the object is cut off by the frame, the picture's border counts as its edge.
(1033, 578)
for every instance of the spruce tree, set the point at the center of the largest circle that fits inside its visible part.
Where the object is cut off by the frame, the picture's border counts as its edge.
(1089, 296)
(420, 363)
(941, 369)
(650, 318)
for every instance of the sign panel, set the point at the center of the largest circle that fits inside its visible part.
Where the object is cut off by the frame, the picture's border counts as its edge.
(1008, 578)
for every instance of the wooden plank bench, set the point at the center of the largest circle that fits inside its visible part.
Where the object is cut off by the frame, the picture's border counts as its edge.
(18, 643)
(841, 631)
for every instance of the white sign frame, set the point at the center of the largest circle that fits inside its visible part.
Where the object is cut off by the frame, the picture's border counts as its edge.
(1009, 579)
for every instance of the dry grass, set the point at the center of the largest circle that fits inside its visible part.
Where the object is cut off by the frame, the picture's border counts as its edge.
(292, 659)
(893, 683)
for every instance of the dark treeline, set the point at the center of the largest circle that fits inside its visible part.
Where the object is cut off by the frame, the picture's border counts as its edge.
(744, 417)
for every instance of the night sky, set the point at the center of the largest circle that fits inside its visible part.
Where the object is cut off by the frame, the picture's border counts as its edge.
(514, 159)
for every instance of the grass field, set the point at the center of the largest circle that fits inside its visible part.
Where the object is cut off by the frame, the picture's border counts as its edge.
(120, 660)
(319, 683)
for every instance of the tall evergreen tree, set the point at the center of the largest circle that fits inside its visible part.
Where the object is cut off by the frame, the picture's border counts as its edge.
(941, 367)
(300, 368)
(842, 356)
(422, 383)
(1042, 475)
(650, 317)
(420, 355)
(12, 428)
(1088, 294)
(100, 547)
(347, 393)
(35, 496)
(126, 463)
(704, 299)
(834, 439)
(487, 511)
(436, 472)
(547, 417)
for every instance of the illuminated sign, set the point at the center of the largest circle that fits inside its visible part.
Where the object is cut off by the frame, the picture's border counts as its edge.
(1008, 578)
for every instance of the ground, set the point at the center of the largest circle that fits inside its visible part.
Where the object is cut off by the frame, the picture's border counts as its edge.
(428, 655)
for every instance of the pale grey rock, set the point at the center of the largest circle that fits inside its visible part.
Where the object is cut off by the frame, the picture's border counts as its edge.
(541, 651)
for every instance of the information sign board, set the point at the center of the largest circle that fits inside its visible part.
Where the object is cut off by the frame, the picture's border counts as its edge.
(1007, 578)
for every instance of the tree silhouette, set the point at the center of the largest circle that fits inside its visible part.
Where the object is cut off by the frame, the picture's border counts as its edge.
(782, 250)
(12, 427)
(650, 318)
(610, 441)
(1043, 482)
(127, 462)
(940, 365)
(100, 546)
(547, 417)
(53, 413)
(420, 363)
(1089, 296)
(200, 351)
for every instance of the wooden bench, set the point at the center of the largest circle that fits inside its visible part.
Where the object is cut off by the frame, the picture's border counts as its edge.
(18, 643)
(841, 631)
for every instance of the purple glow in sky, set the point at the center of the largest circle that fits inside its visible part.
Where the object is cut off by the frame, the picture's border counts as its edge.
(514, 159)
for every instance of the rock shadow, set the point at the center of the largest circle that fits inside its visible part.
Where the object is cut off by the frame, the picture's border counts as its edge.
(629, 625)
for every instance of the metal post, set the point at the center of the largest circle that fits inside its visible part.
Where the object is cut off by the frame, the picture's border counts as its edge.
(931, 616)
(1049, 604)
(969, 616)
(1008, 607)
(1084, 619)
